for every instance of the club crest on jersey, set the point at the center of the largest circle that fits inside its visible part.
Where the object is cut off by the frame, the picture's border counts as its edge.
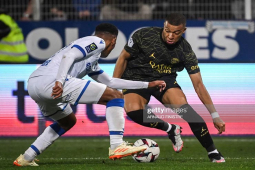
(174, 60)
(91, 47)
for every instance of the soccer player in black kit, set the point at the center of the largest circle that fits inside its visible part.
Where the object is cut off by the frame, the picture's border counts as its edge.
(155, 53)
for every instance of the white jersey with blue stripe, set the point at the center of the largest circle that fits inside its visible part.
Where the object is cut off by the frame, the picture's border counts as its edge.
(86, 53)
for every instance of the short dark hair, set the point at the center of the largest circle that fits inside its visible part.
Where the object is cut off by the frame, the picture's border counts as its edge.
(176, 19)
(107, 27)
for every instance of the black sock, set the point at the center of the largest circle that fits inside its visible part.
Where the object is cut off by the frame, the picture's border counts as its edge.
(137, 116)
(198, 127)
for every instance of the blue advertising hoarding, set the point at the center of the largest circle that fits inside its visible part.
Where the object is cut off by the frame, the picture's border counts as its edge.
(212, 41)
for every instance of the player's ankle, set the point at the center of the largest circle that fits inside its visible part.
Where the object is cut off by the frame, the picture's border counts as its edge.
(214, 151)
(114, 146)
(211, 148)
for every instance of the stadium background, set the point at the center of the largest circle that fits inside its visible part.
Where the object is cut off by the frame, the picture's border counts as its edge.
(221, 35)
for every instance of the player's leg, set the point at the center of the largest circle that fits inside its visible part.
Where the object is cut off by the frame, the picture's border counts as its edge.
(177, 99)
(60, 112)
(113, 99)
(135, 101)
(49, 135)
(174, 134)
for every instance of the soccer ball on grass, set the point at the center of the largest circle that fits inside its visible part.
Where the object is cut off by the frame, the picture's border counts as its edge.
(150, 154)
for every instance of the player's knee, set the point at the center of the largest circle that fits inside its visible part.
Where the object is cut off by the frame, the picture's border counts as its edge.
(70, 124)
(116, 94)
(119, 94)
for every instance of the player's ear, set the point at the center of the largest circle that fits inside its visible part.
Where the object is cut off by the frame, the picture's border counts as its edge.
(114, 40)
(184, 30)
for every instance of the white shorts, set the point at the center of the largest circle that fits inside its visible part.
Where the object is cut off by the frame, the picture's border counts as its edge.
(75, 91)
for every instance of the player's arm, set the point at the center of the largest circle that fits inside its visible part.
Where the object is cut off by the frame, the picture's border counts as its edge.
(66, 62)
(121, 64)
(131, 49)
(191, 65)
(202, 92)
(206, 100)
(117, 83)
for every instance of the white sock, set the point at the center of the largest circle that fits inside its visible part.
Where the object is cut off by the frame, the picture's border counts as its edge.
(115, 120)
(169, 127)
(49, 135)
(214, 151)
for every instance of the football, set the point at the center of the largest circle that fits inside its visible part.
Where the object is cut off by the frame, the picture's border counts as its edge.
(150, 154)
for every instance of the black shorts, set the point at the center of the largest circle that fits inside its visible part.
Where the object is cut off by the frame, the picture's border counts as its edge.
(147, 93)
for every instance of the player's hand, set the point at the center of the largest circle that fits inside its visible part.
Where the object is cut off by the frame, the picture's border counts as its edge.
(161, 85)
(219, 124)
(57, 90)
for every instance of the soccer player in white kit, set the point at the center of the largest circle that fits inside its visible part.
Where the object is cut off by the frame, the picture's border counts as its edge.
(57, 83)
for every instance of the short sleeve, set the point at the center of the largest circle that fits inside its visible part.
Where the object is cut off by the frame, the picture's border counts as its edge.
(191, 62)
(89, 47)
(134, 43)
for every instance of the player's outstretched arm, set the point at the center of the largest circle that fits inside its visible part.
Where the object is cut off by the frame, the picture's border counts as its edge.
(117, 83)
(159, 84)
(121, 64)
(207, 101)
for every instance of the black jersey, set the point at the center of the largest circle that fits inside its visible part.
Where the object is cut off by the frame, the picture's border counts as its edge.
(153, 59)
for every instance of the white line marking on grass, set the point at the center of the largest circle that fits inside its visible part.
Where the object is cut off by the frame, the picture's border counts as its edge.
(106, 158)
(155, 138)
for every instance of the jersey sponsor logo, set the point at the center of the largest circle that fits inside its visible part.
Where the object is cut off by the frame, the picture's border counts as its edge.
(88, 66)
(174, 60)
(194, 67)
(91, 47)
(152, 55)
(161, 68)
(130, 42)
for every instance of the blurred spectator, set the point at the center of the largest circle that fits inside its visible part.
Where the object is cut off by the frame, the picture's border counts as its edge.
(15, 8)
(12, 46)
(212, 9)
(87, 9)
(28, 13)
(126, 10)
(165, 7)
(237, 9)
(57, 10)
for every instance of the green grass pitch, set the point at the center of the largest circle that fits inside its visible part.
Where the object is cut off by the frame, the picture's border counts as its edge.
(92, 153)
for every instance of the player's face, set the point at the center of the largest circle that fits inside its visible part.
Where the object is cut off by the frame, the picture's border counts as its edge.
(171, 33)
(109, 46)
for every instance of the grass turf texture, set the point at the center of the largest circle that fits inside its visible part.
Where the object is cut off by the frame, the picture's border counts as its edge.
(92, 153)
